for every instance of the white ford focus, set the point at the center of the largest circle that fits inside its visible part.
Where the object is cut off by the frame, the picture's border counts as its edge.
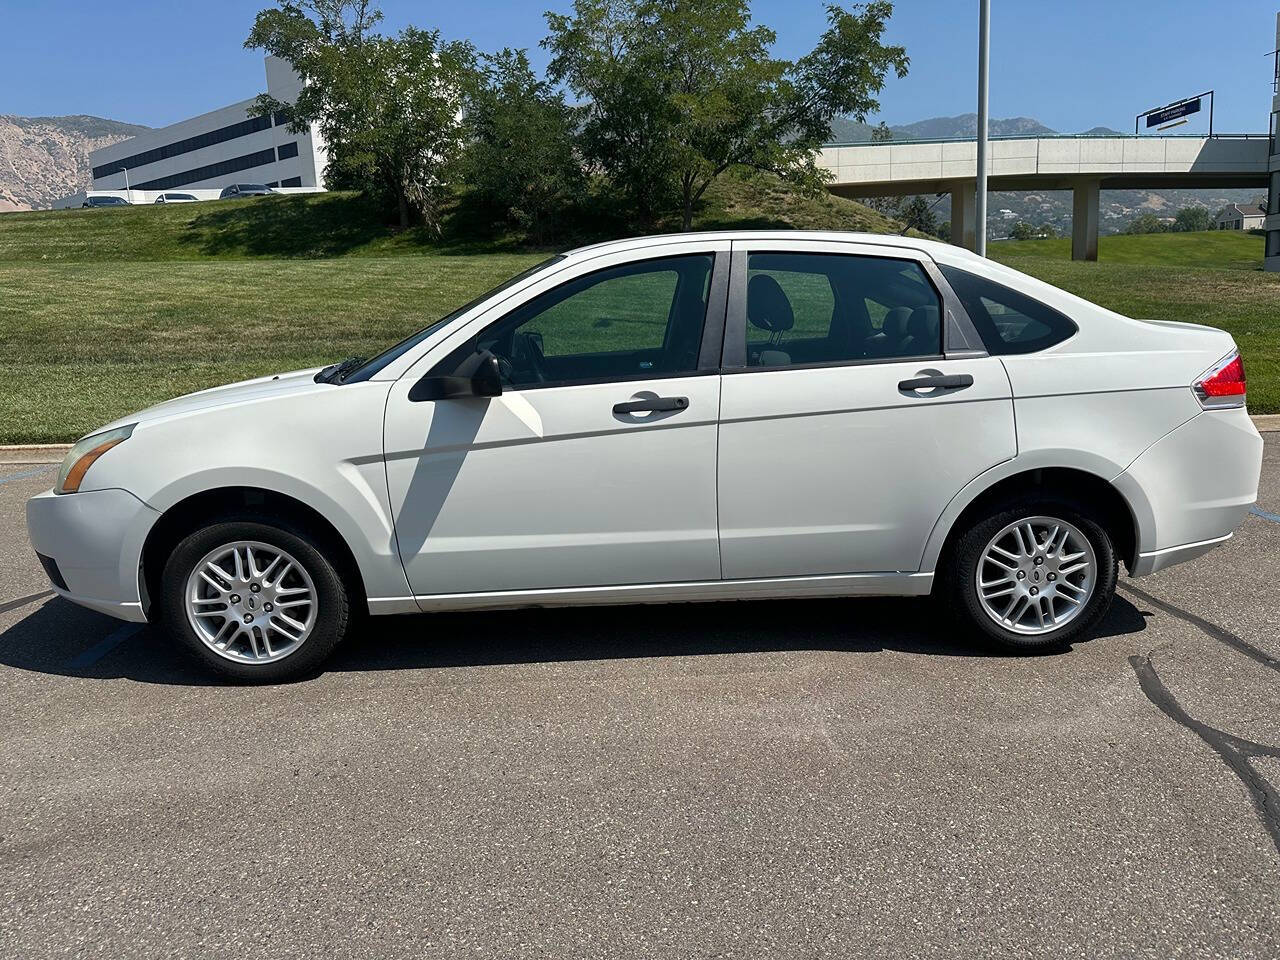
(675, 418)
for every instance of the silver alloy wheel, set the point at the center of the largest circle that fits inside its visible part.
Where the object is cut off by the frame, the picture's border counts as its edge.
(1036, 575)
(251, 602)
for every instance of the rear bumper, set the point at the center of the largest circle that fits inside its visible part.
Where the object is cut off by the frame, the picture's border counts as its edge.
(1193, 487)
(1159, 559)
(95, 540)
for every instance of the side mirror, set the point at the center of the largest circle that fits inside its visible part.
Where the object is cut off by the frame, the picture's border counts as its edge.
(477, 376)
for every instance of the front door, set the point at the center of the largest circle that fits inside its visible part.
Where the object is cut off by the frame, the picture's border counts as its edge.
(840, 444)
(597, 464)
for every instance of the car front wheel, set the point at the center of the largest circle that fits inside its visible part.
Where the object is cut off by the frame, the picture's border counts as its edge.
(1035, 574)
(253, 602)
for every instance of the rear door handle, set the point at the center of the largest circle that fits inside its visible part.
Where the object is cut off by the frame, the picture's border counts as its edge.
(654, 404)
(955, 381)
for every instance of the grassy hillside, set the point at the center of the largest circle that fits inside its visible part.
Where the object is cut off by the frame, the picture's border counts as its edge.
(1220, 249)
(106, 311)
(327, 225)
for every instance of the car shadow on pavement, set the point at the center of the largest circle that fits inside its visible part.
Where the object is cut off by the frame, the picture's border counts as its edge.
(63, 639)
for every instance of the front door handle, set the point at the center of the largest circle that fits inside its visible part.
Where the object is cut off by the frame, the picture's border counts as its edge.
(653, 404)
(955, 381)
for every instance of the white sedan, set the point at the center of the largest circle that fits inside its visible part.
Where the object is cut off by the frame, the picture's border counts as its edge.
(695, 417)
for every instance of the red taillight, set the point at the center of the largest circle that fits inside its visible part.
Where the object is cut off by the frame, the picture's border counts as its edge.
(1223, 385)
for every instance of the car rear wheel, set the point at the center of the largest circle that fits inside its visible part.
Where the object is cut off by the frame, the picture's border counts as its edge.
(253, 602)
(1035, 574)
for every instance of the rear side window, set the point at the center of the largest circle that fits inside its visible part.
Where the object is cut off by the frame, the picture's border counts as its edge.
(1008, 321)
(820, 308)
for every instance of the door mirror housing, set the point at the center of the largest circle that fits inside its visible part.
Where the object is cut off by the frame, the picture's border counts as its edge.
(477, 376)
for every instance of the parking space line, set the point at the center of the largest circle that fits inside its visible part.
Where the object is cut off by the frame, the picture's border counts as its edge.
(105, 646)
(1259, 512)
(23, 601)
(26, 473)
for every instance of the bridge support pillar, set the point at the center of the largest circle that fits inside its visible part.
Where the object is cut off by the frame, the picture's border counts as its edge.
(964, 215)
(1084, 220)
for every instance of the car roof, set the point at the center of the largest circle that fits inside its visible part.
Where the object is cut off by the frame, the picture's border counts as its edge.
(935, 248)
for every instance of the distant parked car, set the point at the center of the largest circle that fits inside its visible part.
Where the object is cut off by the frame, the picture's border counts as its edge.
(245, 190)
(699, 417)
(176, 198)
(105, 202)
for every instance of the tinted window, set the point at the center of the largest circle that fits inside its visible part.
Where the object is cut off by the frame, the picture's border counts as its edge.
(1007, 321)
(394, 352)
(805, 308)
(637, 320)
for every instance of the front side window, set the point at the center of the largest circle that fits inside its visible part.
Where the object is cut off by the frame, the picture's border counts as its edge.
(1009, 322)
(816, 308)
(634, 321)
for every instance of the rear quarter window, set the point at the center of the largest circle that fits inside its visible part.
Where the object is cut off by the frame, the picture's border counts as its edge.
(1009, 322)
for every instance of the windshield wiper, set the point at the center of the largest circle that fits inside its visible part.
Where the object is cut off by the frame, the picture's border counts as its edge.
(337, 372)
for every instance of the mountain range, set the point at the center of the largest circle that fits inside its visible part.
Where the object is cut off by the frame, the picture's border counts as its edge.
(45, 158)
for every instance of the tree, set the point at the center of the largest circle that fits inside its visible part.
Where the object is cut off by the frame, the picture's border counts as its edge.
(944, 231)
(881, 133)
(1046, 230)
(1022, 231)
(520, 156)
(677, 92)
(389, 108)
(1192, 218)
(918, 213)
(1147, 223)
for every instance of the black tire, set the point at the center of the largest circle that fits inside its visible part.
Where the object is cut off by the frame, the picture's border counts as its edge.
(332, 610)
(960, 589)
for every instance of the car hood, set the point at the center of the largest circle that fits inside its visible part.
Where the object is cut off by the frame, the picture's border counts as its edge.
(244, 391)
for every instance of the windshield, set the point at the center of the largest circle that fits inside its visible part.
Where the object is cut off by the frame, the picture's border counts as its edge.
(381, 360)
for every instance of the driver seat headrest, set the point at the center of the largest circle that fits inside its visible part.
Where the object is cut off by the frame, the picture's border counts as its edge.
(767, 305)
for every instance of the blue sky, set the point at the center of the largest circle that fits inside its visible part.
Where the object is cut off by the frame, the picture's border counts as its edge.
(1072, 65)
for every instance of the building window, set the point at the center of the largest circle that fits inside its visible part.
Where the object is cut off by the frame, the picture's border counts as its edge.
(291, 182)
(287, 150)
(208, 172)
(176, 149)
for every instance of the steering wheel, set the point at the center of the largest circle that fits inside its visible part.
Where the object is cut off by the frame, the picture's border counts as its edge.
(527, 356)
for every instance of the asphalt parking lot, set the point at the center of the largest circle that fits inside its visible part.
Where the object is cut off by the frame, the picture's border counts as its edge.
(804, 778)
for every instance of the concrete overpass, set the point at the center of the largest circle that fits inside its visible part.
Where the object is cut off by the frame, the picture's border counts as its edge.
(1081, 164)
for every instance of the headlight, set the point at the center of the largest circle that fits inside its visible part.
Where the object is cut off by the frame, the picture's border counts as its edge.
(82, 455)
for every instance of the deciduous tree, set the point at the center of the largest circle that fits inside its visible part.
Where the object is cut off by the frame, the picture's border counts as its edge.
(389, 108)
(520, 156)
(677, 92)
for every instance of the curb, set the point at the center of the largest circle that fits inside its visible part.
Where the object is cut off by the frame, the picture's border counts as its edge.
(32, 454)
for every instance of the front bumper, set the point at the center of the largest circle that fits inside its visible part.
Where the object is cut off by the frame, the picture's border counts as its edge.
(95, 538)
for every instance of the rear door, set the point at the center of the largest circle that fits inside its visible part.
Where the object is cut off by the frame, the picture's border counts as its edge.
(856, 402)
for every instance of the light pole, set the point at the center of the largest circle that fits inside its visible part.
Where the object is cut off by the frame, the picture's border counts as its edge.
(984, 56)
(125, 171)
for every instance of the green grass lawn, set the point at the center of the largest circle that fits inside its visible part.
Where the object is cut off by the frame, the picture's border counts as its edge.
(106, 311)
(1220, 249)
